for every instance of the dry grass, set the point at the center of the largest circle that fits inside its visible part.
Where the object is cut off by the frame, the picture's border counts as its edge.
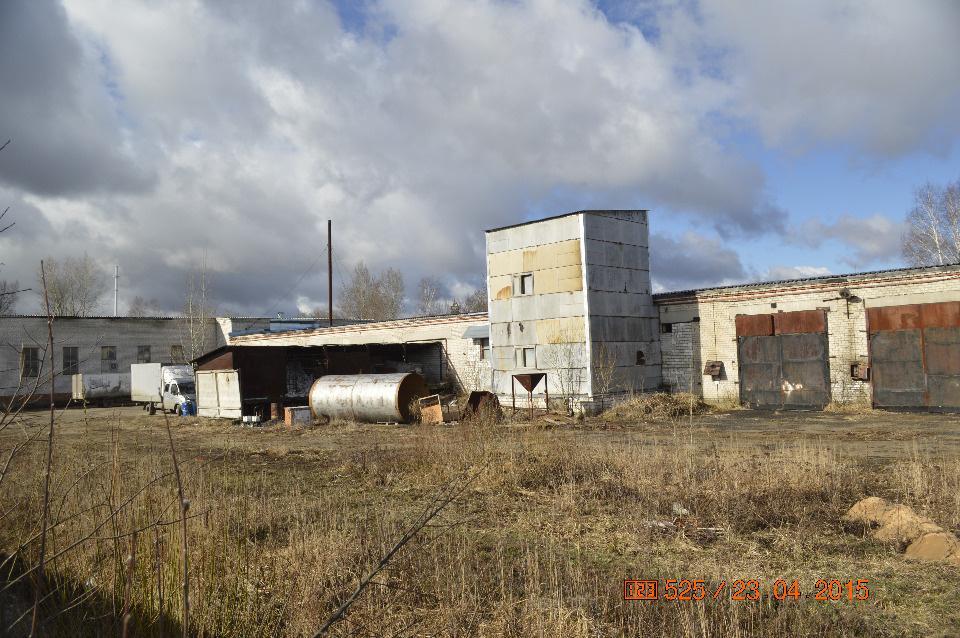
(286, 522)
(656, 406)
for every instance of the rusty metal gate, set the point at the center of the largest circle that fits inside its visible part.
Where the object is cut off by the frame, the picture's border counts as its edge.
(783, 360)
(915, 356)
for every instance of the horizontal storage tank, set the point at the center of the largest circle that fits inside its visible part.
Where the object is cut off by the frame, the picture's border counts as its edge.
(366, 397)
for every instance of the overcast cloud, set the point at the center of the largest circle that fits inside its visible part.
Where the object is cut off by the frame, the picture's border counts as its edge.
(154, 134)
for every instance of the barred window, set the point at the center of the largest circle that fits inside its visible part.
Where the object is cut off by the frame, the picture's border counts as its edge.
(108, 359)
(143, 354)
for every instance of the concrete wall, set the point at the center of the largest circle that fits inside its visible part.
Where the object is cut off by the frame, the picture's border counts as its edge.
(88, 334)
(623, 320)
(552, 319)
(713, 336)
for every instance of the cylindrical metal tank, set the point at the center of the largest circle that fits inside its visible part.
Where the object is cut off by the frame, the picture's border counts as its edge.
(366, 397)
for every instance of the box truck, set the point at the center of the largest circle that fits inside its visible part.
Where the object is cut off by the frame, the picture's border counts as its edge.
(103, 389)
(169, 387)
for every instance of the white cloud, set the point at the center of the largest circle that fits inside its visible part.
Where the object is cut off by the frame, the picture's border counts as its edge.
(778, 273)
(235, 129)
(879, 75)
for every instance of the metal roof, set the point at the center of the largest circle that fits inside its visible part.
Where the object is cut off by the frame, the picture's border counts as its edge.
(839, 279)
(477, 332)
(374, 325)
(576, 212)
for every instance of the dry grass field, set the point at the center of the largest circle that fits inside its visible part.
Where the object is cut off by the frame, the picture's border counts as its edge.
(548, 522)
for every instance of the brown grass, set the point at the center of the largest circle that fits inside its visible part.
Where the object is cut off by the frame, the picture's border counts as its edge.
(286, 522)
(656, 406)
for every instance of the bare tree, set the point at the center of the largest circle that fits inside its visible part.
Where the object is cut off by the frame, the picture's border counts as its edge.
(372, 298)
(197, 312)
(933, 233)
(390, 287)
(563, 359)
(429, 302)
(141, 307)
(75, 286)
(604, 369)
(8, 296)
(474, 302)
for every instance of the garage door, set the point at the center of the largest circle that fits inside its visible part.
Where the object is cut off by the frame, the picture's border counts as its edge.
(915, 356)
(783, 360)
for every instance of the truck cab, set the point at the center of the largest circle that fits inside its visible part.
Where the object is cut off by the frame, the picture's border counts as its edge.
(179, 396)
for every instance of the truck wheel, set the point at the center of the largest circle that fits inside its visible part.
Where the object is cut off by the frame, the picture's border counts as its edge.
(152, 409)
(176, 410)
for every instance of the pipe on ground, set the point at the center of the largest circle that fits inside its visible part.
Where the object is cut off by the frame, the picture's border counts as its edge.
(366, 397)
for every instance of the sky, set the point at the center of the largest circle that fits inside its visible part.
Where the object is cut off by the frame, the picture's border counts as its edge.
(768, 140)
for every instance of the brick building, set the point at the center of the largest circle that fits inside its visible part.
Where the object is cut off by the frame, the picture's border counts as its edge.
(891, 338)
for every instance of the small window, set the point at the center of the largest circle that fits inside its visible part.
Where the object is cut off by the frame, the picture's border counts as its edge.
(526, 357)
(484, 349)
(143, 354)
(176, 353)
(30, 362)
(108, 359)
(666, 327)
(71, 360)
(166, 388)
(523, 284)
(174, 389)
(641, 358)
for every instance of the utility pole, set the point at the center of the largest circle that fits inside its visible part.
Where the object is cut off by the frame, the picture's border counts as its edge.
(116, 287)
(330, 270)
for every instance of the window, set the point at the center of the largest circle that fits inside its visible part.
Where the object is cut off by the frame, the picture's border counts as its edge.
(176, 353)
(523, 284)
(174, 389)
(526, 357)
(108, 359)
(143, 354)
(71, 360)
(666, 327)
(641, 358)
(30, 362)
(484, 349)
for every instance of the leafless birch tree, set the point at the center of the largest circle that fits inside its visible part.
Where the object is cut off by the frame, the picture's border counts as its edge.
(933, 233)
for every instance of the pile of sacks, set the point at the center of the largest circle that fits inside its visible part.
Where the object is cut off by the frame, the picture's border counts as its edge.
(892, 522)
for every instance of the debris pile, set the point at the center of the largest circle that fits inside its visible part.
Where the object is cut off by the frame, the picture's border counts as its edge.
(896, 523)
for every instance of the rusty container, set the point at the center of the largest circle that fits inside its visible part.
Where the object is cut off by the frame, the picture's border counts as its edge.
(366, 397)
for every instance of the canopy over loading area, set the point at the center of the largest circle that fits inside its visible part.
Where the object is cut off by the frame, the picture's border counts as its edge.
(915, 356)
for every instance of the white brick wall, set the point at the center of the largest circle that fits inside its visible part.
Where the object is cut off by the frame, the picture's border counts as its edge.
(89, 335)
(846, 323)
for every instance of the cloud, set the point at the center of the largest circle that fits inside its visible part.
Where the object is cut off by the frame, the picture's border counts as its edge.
(874, 239)
(67, 134)
(692, 261)
(155, 135)
(879, 76)
(779, 273)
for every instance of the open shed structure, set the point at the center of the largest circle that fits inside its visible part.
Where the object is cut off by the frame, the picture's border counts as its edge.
(279, 365)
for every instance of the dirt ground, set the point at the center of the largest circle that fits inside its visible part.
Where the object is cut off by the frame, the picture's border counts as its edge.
(876, 435)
